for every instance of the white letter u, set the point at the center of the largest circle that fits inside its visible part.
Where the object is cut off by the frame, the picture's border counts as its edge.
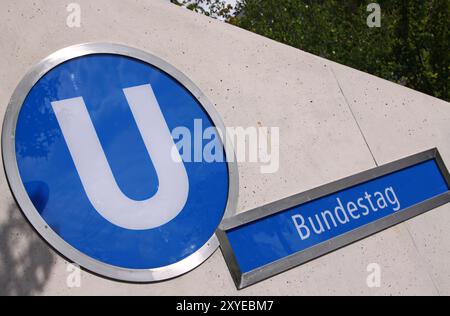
(96, 175)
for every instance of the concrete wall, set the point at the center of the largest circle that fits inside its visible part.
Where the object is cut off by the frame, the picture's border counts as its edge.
(334, 122)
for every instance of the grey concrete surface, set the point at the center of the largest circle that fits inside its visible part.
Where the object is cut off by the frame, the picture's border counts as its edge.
(334, 122)
(411, 122)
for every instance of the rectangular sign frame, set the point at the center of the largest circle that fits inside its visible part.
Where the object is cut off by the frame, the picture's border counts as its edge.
(246, 279)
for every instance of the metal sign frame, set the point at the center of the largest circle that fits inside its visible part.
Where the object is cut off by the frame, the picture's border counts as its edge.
(243, 280)
(30, 212)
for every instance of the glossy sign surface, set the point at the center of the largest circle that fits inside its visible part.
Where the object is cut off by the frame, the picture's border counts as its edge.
(115, 101)
(272, 238)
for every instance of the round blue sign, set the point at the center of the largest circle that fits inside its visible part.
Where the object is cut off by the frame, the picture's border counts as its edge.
(101, 157)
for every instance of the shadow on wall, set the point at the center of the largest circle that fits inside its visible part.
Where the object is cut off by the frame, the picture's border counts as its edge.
(25, 260)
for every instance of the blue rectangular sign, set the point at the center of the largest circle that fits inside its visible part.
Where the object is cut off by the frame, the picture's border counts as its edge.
(268, 239)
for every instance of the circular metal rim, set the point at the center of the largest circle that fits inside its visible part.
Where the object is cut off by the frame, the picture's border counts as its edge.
(12, 172)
